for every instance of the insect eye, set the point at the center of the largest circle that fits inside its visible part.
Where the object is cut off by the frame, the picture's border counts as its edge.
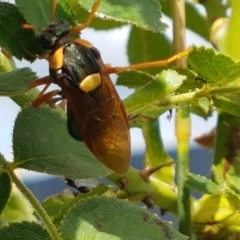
(46, 41)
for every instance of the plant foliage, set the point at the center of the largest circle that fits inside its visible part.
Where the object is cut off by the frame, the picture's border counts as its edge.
(41, 142)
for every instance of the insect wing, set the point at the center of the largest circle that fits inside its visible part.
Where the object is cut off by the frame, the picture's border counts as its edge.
(99, 114)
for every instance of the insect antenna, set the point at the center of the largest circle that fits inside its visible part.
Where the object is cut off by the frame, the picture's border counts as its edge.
(79, 28)
(54, 7)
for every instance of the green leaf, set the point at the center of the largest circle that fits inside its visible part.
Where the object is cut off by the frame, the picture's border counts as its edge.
(192, 83)
(231, 47)
(81, 15)
(58, 206)
(217, 176)
(229, 104)
(14, 38)
(217, 212)
(39, 13)
(137, 80)
(110, 218)
(201, 107)
(226, 144)
(215, 9)
(212, 67)
(23, 231)
(2, 160)
(41, 143)
(16, 81)
(233, 182)
(145, 46)
(143, 14)
(5, 190)
(134, 79)
(196, 21)
(18, 209)
(7, 63)
(202, 184)
(144, 101)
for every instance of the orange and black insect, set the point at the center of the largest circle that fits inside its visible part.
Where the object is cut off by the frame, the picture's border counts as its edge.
(96, 114)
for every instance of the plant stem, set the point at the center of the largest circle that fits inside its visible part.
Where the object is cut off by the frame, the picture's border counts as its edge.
(179, 25)
(183, 131)
(226, 145)
(183, 123)
(155, 151)
(204, 92)
(232, 49)
(37, 206)
(137, 189)
(169, 101)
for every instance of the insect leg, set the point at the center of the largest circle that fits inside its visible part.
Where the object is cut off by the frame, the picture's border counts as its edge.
(40, 81)
(43, 97)
(149, 64)
(54, 7)
(46, 98)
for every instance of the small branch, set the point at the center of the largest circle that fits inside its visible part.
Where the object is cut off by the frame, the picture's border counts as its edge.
(37, 207)
(204, 92)
(155, 151)
(179, 26)
(137, 189)
(207, 91)
(183, 132)
(183, 122)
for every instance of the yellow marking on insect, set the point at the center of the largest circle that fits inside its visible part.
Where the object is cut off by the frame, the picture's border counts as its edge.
(90, 82)
(56, 61)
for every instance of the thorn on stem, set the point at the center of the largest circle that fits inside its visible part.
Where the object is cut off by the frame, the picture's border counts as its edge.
(148, 171)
